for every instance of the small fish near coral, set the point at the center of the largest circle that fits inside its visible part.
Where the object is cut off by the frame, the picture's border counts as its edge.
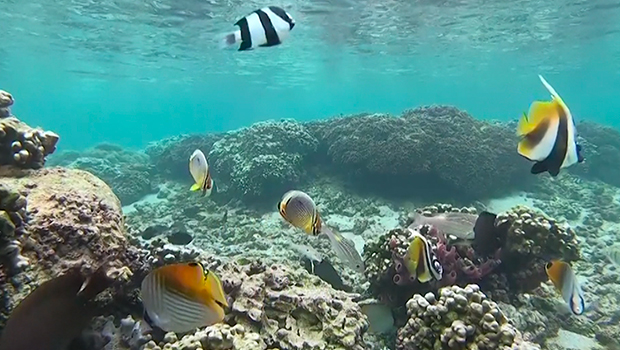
(55, 313)
(298, 209)
(265, 27)
(420, 260)
(182, 297)
(199, 168)
(548, 135)
(563, 278)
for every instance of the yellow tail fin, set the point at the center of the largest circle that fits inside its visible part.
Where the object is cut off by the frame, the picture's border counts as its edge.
(195, 187)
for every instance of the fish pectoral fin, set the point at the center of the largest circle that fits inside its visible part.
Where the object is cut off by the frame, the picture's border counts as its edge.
(195, 187)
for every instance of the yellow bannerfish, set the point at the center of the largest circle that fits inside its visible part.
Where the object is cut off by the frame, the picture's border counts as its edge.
(199, 168)
(548, 135)
(420, 260)
(182, 297)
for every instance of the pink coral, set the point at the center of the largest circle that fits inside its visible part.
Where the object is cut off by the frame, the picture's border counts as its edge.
(461, 267)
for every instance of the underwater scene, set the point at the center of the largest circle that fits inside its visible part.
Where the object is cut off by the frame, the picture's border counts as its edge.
(309, 175)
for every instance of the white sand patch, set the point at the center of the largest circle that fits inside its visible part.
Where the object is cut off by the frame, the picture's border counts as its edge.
(148, 199)
(498, 205)
(572, 341)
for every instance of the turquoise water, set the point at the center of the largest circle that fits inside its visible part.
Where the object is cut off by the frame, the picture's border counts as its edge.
(132, 72)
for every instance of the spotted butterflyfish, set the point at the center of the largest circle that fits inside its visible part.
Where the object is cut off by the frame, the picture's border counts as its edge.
(182, 297)
(548, 135)
(298, 209)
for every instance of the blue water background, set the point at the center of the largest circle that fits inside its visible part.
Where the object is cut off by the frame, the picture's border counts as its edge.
(131, 72)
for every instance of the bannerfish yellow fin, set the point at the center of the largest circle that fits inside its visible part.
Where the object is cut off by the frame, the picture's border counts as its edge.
(539, 131)
(195, 187)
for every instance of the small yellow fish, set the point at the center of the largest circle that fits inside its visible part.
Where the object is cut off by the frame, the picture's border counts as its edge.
(182, 297)
(548, 135)
(420, 260)
(298, 209)
(563, 278)
(199, 168)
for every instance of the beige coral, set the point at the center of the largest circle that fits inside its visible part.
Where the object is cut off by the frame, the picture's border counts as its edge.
(462, 318)
(24, 146)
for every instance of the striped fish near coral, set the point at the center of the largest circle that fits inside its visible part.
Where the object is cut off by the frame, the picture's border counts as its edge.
(420, 260)
(182, 297)
(298, 209)
(548, 135)
(267, 26)
(199, 168)
(563, 278)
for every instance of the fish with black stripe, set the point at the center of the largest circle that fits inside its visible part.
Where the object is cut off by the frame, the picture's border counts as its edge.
(563, 278)
(298, 209)
(548, 135)
(182, 297)
(267, 26)
(420, 260)
(199, 168)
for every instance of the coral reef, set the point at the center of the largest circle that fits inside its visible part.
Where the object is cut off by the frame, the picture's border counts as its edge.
(262, 160)
(602, 151)
(6, 101)
(128, 173)
(170, 156)
(21, 145)
(462, 318)
(73, 219)
(518, 266)
(12, 215)
(435, 147)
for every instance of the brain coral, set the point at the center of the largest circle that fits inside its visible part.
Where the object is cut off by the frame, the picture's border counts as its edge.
(262, 160)
(469, 157)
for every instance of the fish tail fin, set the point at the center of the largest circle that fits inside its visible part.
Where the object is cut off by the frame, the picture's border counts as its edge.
(230, 39)
(95, 283)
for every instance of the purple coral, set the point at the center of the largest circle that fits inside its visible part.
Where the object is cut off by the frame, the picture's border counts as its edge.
(460, 267)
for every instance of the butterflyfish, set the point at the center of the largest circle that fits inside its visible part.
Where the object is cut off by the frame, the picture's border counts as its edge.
(563, 278)
(420, 260)
(56, 312)
(182, 297)
(267, 26)
(548, 135)
(298, 209)
(199, 168)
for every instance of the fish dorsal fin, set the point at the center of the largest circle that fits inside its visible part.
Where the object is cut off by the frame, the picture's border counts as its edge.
(553, 93)
(213, 287)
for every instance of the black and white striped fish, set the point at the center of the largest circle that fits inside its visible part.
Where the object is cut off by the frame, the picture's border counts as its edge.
(268, 26)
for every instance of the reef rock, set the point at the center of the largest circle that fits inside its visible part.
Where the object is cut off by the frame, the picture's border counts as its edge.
(436, 147)
(601, 149)
(23, 146)
(128, 173)
(6, 101)
(12, 214)
(72, 219)
(461, 318)
(262, 160)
